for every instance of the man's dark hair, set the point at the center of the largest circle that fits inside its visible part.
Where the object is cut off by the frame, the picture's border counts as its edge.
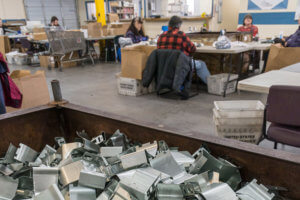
(248, 16)
(53, 19)
(175, 22)
(133, 29)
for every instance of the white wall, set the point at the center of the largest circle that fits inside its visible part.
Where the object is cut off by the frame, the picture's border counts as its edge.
(12, 9)
(269, 31)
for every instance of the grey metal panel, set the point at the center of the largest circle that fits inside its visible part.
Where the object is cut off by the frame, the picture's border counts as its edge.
(43, 10)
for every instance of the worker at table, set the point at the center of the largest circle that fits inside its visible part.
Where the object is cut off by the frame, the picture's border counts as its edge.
(135, 31)
(248, 26)
(1, 28)
(55, 24)
(174, 38)
(294, 39)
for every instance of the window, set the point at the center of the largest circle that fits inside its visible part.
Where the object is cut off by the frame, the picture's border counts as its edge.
(90, 10)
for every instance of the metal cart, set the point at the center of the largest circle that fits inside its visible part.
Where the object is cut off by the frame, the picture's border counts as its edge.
(66, 43)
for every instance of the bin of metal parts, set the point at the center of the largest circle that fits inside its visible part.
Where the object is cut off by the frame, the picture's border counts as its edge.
(47, 159)
(115, 168)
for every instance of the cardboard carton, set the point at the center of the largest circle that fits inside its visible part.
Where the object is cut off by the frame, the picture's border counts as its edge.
(118, 29)
(282, 57)
(33, 87)
(134, 60)
(94, 30)
(4, 45)
(46, 61)
(113, 17)
(38, 30)
(40, 36)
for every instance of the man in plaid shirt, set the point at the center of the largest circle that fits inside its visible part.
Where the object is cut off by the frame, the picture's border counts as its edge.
(177, 40)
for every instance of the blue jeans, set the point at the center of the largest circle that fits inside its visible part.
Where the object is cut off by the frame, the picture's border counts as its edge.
(2, 101)
(201, 70)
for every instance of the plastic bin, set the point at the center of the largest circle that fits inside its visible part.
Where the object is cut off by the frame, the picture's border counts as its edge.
(239, 109)
(216, 83)
(10, 57)
(244, 133)
(21, 59)
(238, 121)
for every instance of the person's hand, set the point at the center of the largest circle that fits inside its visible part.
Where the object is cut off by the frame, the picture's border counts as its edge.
(144, 38)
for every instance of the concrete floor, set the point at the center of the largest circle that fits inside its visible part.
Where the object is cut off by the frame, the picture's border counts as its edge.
(96, 87)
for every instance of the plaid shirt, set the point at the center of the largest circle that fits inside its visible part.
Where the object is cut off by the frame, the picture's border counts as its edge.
(175, 39)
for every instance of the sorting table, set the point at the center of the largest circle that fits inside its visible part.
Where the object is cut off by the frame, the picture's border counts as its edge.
(262, 83)
(232, 51)
(253, 46)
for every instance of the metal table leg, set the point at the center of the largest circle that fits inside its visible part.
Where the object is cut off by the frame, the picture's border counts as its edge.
(228, 78)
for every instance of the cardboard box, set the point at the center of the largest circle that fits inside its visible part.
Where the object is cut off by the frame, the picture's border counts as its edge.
(4, 45)
(33, 87)
(282, 57)
(118, 29)
(40, 36)
(94, 30)
(134, 60)
(45, 61)
(113, 17)
(38, 30)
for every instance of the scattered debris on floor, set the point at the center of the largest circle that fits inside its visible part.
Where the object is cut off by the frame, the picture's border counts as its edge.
(114, 168)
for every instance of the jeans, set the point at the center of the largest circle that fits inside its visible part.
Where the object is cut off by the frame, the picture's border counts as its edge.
(201, 70)
(2, 102)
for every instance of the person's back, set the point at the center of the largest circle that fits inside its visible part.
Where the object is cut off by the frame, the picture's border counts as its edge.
(176, 39)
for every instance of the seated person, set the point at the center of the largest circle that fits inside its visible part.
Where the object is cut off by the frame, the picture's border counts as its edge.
(294, 39)
(135, 31)
(291, 41)
(54, 23)
(248, 26)
(176, 39)
(2, 28)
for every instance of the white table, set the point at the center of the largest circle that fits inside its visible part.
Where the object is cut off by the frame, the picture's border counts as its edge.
(110, 37)
(213, 50)
(262, 83)
(17, 36)
(232, 51)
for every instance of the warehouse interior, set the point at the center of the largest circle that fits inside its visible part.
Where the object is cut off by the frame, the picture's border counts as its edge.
(149, 99)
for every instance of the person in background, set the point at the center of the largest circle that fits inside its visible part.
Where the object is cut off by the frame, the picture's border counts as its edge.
(248, 26)
(93, 17)
(135, 31)
(54, 23)
(177, 40)
(1, 27)
(294, 39)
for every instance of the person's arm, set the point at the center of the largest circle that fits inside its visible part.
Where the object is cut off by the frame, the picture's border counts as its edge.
(255, 31)
(188, 45)
(134, 39)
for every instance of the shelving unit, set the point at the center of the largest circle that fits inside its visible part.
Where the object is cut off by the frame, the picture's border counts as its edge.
(124, 9)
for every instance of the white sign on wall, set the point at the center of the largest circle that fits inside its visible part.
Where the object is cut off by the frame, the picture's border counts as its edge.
(297, 15)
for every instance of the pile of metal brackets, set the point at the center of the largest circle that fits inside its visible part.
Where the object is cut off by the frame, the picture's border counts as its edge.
(116, 169)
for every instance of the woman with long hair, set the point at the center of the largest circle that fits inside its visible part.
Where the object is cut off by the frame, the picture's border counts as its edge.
(135, 31)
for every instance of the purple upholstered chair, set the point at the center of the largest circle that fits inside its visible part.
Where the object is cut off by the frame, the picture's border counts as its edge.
(283, 111)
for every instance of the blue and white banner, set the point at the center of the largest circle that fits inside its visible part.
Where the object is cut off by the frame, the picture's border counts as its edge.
(267, 4)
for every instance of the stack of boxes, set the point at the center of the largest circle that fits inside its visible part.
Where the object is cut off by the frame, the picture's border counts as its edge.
(133, 63)
(240, 120)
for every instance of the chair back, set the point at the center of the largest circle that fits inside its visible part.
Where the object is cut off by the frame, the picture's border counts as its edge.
(283, 105)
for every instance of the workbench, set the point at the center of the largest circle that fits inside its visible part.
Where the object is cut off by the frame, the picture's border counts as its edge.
(262, 83)
(236, 50)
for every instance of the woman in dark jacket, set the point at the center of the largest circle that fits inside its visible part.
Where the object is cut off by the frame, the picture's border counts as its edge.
(135, 31)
